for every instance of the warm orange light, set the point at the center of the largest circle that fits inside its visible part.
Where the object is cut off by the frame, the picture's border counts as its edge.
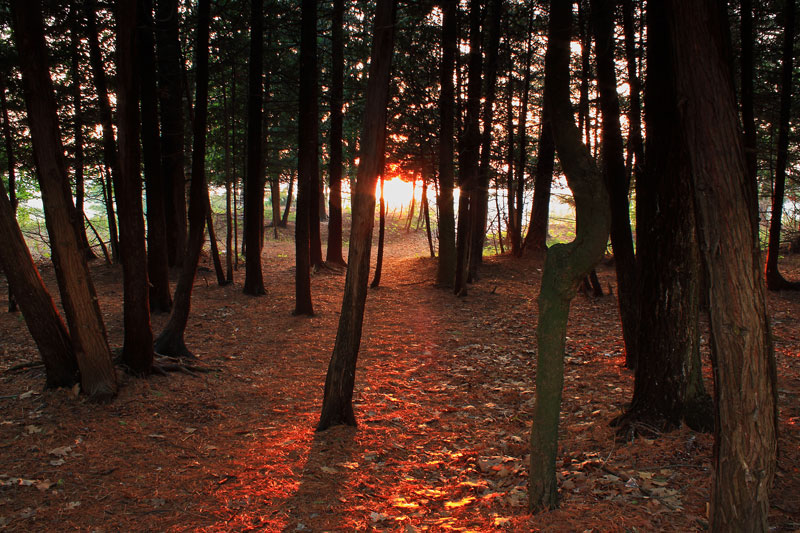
(398, 192)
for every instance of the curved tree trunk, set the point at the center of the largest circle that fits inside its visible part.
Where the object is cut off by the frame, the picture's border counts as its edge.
(157, 253)
(376, 280)
(446, 266)
(88, 333)
(744, 364)
(565, 264)
(254, 197)
(38, 309)
(337, 405)
(615, 175)
(170, 341)
(12, 173)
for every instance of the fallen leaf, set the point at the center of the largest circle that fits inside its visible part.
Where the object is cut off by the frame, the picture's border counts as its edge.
(61, 451)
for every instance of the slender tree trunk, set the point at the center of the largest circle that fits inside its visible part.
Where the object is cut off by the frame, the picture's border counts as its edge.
(169, 87)
(635, 141)
(376, 280)
(747, 72)
(536, 239)
(614, 174)
(510, 196)
(289, 199)
(775, 280)
(229, 193)
(108, 199)
(337, 405)
(307, 161)
(446, 267)
(8, 139)
(254, 197)
(38, 309)
(170, 341)
(80, 193)
(137, 349)
(668, 262)
(469, 154)
(480, 203)
(522, 155)
(78, 296)
(412, 208)
(104, 104)
(157, 252)
(212, 241)
(425, 209)
(565, 264)
(585, 36)
(744, 365)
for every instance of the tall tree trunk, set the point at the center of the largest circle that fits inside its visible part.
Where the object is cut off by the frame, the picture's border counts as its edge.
(111, 215)
(169, 87)
(480, 200)
(510, 196)
(8, 140)
(230, 193)
(412, 207)
(376, 280)
(522, 155)
(137, 349)
(614, 174)
(744, 364)
(585, 36)
(747, 72)
(668, 261)
(536, 239)
(170, 341)
(38, 309)
(635, 141)
(307, 160)
(565, 264)
(104, 105)
(469, 153)
(212, 242)
(78, 296)
(157, 252)
(337, 405)
(446, 267)
(775, 280)
(80, 190)
(254, 198)
(425, 208)
(289, 199)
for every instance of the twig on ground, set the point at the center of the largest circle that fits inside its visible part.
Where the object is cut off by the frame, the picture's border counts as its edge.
(23, 366)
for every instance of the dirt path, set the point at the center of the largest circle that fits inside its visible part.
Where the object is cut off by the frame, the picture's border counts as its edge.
(443, 399)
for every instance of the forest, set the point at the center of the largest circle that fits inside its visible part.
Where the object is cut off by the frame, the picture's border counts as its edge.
(402, 265)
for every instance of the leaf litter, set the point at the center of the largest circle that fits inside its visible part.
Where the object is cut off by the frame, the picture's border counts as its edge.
(444, 396)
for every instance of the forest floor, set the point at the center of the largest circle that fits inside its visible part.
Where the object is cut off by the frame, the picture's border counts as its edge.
(444, 395)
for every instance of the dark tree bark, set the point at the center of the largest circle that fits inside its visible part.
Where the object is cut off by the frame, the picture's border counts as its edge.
(536, 239)
(747, 72)
(565, 264)
(376, 280)
(307, 158)
(170, 341)
(289, 200)
(38, 309)
(230, 193)
(585, 36)
(425, 209)
(668, 386)
(614, 174)
(744, 364)
(169, 87)
(510, 196)
(412, 208)
(74, 69)
(8, 141)
(522, 155)
(157, 253)
(446, 267)
(480, 198)
(106, 120)
(212, 242)
(78, 297)
(775, 280)
(254, 197)
(337, 406)
(108, 200)
(635, 141)
(137, 349)
(469, 153)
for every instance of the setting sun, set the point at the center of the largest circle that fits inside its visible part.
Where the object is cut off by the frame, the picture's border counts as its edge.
(398, 192)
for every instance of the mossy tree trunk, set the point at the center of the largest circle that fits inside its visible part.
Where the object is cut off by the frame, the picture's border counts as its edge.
(565, 264)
